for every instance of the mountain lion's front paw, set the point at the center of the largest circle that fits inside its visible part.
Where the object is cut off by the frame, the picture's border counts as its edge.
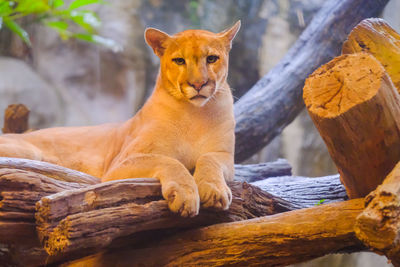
(182, 199)
(216, 195)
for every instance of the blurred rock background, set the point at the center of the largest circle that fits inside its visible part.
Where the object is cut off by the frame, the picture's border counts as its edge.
(76, 83)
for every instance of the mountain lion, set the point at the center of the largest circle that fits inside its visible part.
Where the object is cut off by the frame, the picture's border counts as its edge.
(183, 135)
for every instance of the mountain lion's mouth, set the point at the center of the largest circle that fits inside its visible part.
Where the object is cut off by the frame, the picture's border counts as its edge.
(198, 97)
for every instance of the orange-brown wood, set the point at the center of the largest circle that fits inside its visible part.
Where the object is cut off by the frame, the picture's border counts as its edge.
(376, 37)
(378, 226)
(356, 109)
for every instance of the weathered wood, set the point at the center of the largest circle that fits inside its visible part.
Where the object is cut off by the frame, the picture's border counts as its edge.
(305, 192)
(19, 191)
(274, 101)
(277, 240)
(255, 172)
(356, 109)
(378, 226)
(16, 119)
(72, 222)
(49, 170)
(376, 37)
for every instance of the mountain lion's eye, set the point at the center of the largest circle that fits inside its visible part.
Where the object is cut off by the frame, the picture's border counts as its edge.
(212, 59)
(178, 60)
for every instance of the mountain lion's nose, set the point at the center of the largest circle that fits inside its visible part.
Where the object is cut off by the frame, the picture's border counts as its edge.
(198, 85)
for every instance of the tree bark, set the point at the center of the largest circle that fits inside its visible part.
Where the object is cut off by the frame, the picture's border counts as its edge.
(50, 170)
(305, 192)
(278, 240)
(356, 109)
(255, 172)
(274, 101)
(378, 226)
(16, 119)
(72, 222)
(376, 37)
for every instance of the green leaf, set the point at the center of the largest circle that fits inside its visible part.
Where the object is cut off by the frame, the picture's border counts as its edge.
(62, 25)
(109, 43)
(13, 26)
(32, 6)
(6, 8)
(320, 202)
(79, 3)
(56, 3)
(86, 19)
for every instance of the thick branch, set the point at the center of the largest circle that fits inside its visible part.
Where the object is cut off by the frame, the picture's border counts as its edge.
(278, 240)
(356, 109)
(72, 222)
(378, 226)
(48, 169)
(255, 172)
(305, 192)
(275, 100)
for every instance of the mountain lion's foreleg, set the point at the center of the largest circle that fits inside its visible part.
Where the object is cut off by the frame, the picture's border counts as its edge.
(212, 171)
(177, 184)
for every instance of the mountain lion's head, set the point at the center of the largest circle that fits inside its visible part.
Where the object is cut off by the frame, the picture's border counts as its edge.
(194, 63)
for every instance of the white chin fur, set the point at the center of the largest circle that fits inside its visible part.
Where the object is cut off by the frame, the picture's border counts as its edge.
(199, 102)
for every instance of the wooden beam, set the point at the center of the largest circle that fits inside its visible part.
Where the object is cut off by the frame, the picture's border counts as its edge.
(277, 240)
(378, 226)
(356, 109)
(274, 101)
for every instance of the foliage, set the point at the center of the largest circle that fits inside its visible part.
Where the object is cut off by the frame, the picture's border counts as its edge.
(320, 202)
(69, 21)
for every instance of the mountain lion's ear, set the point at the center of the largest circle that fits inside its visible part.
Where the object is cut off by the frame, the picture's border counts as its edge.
(156, 40)
(230, 33)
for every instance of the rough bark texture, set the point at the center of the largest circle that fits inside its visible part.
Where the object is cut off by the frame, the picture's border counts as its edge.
(24, 182)
(16, 119)
(276, 240)
(72, 222)
(275, 100)
(255, 172)
(356, 108)
(376, 37)
(378, 226)
(305, 192)
(49, 170)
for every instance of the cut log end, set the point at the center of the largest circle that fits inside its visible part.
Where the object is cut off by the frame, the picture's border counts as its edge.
(335, 87)
(16, 119)
(375, 36)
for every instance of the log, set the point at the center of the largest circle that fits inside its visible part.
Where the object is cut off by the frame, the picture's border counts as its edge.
(49, 170)
(275, 100)
(71, 223)
(375, 36)
(255, 172)
(277, 240)
(356, 109)
(16, 119)
(305, 192)
(19, 191)
(378, 226)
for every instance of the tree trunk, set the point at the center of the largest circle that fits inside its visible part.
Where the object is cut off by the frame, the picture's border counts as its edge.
(274, 101)
(278, 240)
(378, 226)
(356, 108)
(376, 37)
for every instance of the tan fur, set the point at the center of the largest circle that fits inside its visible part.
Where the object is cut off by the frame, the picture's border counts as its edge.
(186, 143)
